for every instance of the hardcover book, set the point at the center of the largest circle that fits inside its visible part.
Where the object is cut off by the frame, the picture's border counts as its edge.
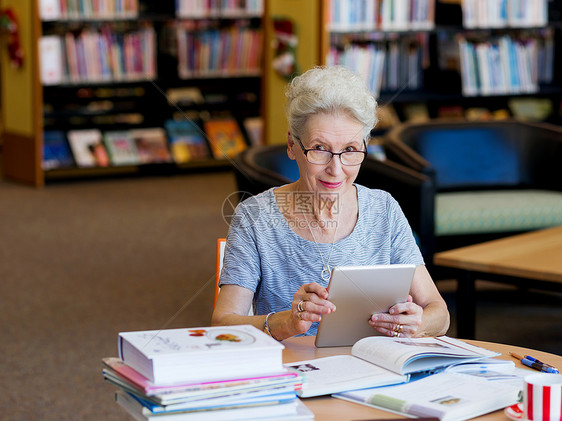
(152, 145)
(201, 354)
(121, 148)
(225, 137)
(56, 152)
(88, 148)
(187, 141)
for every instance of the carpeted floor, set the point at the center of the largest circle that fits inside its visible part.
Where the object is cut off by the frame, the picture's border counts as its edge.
(82, 261)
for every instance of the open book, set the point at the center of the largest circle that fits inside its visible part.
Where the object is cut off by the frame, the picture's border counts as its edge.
(381, 360)
(448, 396)
(413, 355)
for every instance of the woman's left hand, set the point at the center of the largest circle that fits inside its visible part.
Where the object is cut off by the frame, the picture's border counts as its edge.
(402, 319)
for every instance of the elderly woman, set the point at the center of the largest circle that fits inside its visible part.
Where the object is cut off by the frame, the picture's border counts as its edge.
(283, 242)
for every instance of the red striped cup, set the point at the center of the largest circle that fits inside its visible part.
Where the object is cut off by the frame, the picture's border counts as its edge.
(543, 397)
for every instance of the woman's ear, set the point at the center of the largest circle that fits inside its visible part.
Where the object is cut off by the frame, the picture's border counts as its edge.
(290, 144)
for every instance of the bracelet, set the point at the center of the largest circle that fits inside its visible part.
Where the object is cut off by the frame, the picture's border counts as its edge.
(266, 324)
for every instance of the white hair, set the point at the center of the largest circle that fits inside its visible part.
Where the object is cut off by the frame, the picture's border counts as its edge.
(330, 90)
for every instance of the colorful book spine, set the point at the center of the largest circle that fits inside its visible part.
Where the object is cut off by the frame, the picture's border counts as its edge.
(504, 13)
(219, 8)
(100, 55)
(51, 10)
(205, 51)
(383, 15)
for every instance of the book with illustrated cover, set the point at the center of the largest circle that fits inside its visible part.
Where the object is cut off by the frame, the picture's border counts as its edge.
(447, 396)
(56, 152)
(225, 137)
(187, 141)
(152, 145)
(88, 148)
(121, 148)
(201, 354)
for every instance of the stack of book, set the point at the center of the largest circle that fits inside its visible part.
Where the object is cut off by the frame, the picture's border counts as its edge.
(215, 373)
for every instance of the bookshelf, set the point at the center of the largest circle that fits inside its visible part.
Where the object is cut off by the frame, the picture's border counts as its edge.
(447, 58)
(107, 71)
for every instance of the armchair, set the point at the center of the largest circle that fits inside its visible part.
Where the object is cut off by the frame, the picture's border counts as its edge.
(490, 179)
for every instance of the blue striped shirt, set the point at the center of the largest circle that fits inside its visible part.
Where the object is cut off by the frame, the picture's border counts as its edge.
(264, 255)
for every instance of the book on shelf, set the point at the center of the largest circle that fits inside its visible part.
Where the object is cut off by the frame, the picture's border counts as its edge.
(56, 152)
(204, 50)
(88, 148)
(121, 147)
(51, 59)
(225, 137)
(118, 373)
(504, 13)
(369, 15)
(198, 9)
(380, 360)
(291, 410)
(201, 354)
(152, 145)
(447, 395)
(51, 10)
(254, 130)
(187, 141)
(98, 55)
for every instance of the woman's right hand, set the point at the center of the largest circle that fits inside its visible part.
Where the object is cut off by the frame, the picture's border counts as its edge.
(310, 303)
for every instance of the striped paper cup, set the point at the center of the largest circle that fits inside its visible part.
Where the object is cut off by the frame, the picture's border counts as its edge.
(543, 397)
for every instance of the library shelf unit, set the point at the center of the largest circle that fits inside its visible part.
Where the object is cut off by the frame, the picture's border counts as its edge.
(155, 82)
(422, 74)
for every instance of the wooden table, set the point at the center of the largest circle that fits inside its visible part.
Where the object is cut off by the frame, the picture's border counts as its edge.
(326, 408)
(535, 256)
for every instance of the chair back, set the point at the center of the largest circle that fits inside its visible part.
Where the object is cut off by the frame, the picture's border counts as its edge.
(221, 242)
(220, 256)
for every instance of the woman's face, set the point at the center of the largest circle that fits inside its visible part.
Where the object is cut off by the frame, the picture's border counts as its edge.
(334, 133)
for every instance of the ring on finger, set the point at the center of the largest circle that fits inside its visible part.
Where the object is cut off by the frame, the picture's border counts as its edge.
(300, 306)
(399, 328)
(299, 315)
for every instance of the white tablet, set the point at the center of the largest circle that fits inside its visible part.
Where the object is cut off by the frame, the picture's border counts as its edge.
(358, 292)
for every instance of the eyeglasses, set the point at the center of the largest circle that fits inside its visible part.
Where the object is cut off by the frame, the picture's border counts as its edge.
(320, 157)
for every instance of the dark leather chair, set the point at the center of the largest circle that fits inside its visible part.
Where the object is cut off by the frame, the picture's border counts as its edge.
(259, 168)
(496, 163)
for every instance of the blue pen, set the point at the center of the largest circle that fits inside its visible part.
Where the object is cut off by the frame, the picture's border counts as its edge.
(540, 362)
(535, 360)
(536, 364)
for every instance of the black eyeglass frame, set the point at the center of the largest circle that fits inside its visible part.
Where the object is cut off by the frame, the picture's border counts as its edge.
(305, 151)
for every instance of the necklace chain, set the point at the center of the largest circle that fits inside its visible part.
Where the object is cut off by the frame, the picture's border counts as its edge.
(326, 270)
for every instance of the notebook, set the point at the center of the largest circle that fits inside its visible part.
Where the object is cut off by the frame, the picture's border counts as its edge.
(358, 292)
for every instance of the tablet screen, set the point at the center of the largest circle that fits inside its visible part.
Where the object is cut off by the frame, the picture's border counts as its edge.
(358, 292)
